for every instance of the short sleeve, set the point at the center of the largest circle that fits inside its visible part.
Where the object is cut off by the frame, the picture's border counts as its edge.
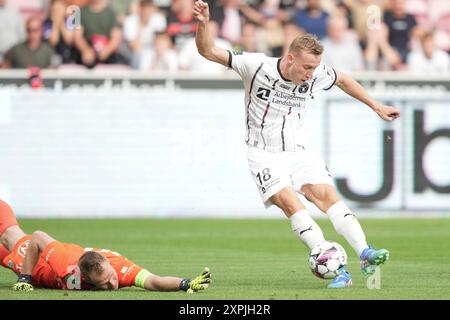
(126, 270)
(61, 259)
(244, 63)
(325, 77)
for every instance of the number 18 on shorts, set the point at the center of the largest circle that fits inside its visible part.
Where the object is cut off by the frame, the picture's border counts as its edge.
(273, 172)
(269, 181)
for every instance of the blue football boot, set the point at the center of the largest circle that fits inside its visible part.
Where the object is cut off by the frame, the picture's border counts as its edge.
(371, 258)
(341, 281)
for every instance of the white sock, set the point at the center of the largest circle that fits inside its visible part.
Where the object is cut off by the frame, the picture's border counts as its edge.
(306, 228)
(346, 224)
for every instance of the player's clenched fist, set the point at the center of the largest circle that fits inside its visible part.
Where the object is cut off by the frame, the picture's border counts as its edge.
(201, 11)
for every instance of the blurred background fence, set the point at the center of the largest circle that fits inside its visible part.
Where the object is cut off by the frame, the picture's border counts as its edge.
(126, 144)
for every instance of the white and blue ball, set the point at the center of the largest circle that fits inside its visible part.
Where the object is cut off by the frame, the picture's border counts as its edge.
(327, 260)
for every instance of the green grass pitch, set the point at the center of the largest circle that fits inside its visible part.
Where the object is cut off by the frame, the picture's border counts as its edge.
(254, 259)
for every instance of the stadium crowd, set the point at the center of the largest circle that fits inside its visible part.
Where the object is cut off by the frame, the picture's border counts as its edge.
(158, 35)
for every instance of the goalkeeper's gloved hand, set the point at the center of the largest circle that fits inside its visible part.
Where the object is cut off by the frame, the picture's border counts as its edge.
(23, 283)
(200, 282)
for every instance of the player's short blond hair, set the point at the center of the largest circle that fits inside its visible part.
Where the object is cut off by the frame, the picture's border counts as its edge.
(308, 43)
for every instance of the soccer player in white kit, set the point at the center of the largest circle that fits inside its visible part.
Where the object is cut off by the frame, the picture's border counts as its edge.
(277, 91)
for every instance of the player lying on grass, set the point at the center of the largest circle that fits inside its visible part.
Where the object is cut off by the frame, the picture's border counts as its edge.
(43, 262)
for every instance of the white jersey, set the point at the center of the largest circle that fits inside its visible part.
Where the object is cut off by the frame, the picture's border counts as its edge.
(275, 106)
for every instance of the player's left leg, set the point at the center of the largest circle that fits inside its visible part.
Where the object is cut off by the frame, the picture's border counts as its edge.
(324, 196)
(10, 232)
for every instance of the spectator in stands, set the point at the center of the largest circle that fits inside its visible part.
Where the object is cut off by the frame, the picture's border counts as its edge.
(99, 37)
(251, 39)
(366, 15)
(255, 12)
(291, 31)
(33, 52)
(284, 9)
(344, 11)
(122, 8)
(248, 40)
(57, 33)
(79, 3)
(266, 14)
(180, 22)
(12, 28)
(161, 57)
(431, 15)
(191, 60)
(312, 19)
(269, 8)
(429, 58)
(402, 27)
(216, 12)
(270, 17)
(164, 6)
(287, 10)
(29, 8)
(273, 36)
(139, 29)
(233, 21)
(379, 54)
(342, 49)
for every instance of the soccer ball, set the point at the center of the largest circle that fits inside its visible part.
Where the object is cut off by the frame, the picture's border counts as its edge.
(326, 259)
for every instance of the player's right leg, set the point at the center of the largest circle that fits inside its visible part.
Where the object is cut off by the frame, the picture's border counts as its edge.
(306, 229)
(271, 173)
(274, 183)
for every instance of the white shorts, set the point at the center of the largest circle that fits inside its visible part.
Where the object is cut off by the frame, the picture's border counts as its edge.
(273, 172)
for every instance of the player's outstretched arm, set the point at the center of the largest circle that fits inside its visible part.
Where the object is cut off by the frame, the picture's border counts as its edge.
(157, 283)
(354, 89)
(203, 39)
(39, 240)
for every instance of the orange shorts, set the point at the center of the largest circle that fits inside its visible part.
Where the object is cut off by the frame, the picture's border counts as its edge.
(7, 217)
(14, 260)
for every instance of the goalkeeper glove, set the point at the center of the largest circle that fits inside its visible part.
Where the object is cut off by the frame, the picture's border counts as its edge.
(23, 283)
(200, 282)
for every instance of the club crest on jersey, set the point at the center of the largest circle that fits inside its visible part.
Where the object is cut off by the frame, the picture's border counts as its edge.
(22, 249)
(303, 88)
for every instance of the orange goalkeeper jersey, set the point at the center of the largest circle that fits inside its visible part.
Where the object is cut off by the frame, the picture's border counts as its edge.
(57, 267)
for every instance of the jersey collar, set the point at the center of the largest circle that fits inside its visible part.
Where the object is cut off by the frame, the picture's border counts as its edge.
(279, 71)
